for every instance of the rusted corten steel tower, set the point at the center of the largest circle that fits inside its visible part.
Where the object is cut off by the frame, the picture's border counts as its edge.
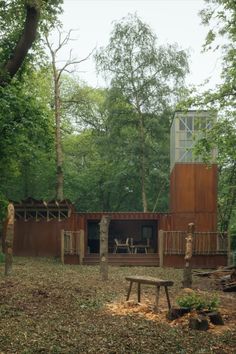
(193, 184)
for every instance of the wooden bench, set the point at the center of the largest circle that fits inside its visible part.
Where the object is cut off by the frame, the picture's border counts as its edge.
(149, 281)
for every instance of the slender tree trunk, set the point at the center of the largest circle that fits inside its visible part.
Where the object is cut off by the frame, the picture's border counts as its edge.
(9, 239)
(26, 179)
(57, 107)
(104, 231)
(187, 273)
(59, 154)
(143, 163)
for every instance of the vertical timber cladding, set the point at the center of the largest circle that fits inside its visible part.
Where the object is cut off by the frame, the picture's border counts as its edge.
(38, 226)
(40, 238)
(193, 196)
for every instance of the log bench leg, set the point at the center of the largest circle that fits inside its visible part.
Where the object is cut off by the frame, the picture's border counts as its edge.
(139, 292)
(157, 296)
(167, 297)
(129, 291)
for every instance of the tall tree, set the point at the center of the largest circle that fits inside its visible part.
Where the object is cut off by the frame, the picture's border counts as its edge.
(220, 17)
(109, 177)
(222, 136)
(148, 76)
(20, 20)
(26, 145)
(21, 24)
(57, 72)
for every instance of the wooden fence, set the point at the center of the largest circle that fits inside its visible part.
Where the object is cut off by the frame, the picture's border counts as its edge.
(72, 244)
(204, 243)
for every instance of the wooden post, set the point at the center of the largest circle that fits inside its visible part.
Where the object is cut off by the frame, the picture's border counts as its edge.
(9, 239)
(62, 246)
(161, 247)
(217, 243)
(81, 246)
(70, 234)
(104, 228)
(229, 250)
(187, 274)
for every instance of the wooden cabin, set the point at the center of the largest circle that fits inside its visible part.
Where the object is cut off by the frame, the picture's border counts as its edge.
(50, 229)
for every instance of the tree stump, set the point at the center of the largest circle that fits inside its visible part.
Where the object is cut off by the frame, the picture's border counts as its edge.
(175, 313)
(199, 323)
(215, 318)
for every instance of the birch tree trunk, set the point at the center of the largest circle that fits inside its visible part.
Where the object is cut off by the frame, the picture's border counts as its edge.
(59, 154)
(143, 171)
(59, 185)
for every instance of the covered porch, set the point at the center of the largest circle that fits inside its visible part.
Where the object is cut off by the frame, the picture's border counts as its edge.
(133, 228)
(132, 237)
(125, 236)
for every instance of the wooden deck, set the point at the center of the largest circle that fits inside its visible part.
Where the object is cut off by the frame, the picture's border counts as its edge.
(150, 259)
(125, 259)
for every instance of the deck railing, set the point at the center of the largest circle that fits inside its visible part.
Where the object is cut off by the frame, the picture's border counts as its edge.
(72, 243)
(204, 243)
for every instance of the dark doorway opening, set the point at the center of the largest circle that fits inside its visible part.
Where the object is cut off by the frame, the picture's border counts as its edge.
(93, 236)
(141, 231)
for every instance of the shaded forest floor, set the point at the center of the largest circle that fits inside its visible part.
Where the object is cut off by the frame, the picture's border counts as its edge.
(49, 308)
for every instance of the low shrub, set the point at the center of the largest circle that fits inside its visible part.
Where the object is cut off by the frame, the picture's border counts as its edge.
(199, 302)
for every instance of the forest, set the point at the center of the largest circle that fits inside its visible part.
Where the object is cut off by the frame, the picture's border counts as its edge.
(107, 148)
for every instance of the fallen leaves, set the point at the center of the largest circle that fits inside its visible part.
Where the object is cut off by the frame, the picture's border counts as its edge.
(49, 308)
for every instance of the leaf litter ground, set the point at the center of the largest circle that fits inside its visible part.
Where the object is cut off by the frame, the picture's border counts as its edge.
(49, 308)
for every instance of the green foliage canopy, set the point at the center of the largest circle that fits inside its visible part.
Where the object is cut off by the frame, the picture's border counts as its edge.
(26, 129)
(220, 17)
(22, 23)
(149, 79)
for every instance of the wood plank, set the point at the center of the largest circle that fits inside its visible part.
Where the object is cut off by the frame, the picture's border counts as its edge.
(149, 280)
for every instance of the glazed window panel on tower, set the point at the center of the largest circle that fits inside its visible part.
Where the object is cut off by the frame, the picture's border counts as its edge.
(186, 129)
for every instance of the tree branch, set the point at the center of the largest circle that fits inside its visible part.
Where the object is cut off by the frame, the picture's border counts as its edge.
(72, 62)
(23, 45)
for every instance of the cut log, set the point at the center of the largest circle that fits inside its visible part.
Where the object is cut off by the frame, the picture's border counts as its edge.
(233, 276)
(230, 287)
(225, 277)
(202, 274)
(216, 273)
(199, 323)
(175, 313)
(215, 318)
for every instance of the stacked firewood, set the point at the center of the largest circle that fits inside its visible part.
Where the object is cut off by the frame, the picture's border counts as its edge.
(225, 277)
